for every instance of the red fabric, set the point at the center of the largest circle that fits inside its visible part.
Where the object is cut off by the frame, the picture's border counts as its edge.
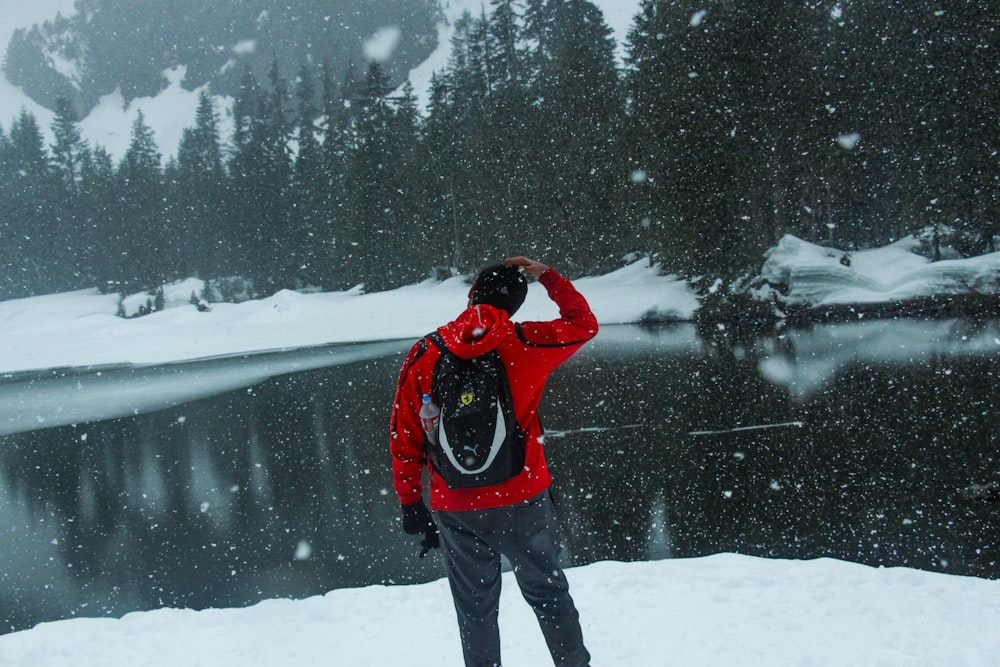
(530, 351)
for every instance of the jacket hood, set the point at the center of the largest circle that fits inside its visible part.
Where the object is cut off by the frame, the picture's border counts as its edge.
(477, 331)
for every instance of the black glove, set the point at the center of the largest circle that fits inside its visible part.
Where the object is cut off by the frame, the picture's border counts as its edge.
(416, 521)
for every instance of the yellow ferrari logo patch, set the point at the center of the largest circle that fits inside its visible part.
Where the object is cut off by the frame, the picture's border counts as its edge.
(467, 399)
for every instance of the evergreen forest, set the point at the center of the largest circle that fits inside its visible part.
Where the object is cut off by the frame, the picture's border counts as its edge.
(729, 124)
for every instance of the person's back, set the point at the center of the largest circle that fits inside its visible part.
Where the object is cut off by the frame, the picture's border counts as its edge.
(477, 525)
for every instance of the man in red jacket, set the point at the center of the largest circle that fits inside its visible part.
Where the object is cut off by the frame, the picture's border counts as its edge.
(514, 518)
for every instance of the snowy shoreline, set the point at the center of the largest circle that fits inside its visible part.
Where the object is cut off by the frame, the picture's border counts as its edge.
(82, 329)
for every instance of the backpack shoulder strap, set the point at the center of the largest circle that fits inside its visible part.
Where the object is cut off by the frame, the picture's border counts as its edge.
(435, 337)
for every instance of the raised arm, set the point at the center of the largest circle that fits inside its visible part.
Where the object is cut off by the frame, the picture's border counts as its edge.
(576, 324)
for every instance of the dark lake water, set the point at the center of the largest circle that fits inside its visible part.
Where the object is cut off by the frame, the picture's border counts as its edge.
(224, 482)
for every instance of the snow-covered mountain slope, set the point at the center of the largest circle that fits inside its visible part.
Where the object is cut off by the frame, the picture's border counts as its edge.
(168, 113)
(16, 14)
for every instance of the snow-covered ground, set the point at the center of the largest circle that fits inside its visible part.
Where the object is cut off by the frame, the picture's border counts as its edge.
(717, 610)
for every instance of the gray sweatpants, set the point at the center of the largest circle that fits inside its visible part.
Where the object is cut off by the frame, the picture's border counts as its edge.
(526, 534)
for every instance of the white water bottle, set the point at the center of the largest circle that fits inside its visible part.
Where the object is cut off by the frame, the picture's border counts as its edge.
(430, 415)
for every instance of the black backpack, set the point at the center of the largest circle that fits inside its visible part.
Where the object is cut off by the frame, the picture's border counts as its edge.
(479, 442)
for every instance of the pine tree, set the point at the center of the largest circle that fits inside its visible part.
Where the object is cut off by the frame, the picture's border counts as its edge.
(309, 163)
(276, 263)
(99, 207)
(261, 170)
(144, 243)
(67, 156)
(243, 211)
(506, 62)
(197, 191)
(8, 224)
(69, 147)
(333, 144)
(311, 233)
(692, 131)
(277, 129)
(200, 150)
(405, 189)
(365, 231)
(342, 106)
(463, 153)
(468, 78)
(443, 180)
(579, 122)
(244, 114)
(140, 167)
(27, 147)
(924, 98)
(32, 239)
(337, 127)
(509, 121)
(538, 26)
(383, 238)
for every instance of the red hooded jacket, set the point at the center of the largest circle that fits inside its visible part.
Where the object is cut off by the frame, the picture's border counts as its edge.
(530, 351)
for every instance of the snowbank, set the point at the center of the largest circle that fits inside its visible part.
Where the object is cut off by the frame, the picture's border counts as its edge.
(718, 610)
(818, 276)
(81, 328)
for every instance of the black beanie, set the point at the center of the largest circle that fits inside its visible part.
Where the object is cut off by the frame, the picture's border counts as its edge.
(500, 286)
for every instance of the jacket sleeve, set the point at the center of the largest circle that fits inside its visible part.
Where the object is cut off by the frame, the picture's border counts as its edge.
(406, 438)
(575, 326)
